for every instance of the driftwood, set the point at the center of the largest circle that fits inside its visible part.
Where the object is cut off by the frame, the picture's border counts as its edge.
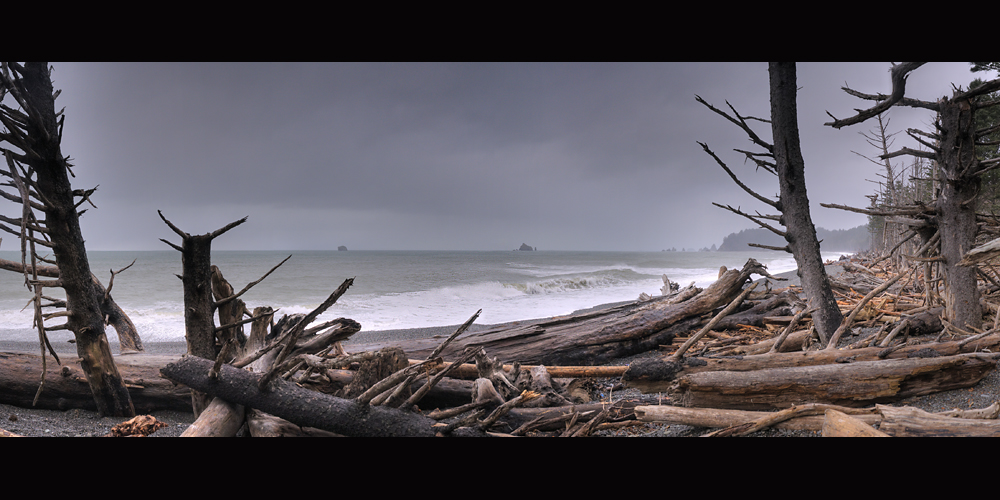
(300, 406)
(834, 420)
(658, 374)
(914, 422)
(218, 419)
(840, 424)
(723, 418)
(65, 387)
(592, 338)
(847, 384)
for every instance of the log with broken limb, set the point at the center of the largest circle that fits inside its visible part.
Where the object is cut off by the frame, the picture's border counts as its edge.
(66, 388)
(717, 418)
(300, 406)
(914, 422)
(659, 374)
(591, 338)
(771, 419)
(846, 384)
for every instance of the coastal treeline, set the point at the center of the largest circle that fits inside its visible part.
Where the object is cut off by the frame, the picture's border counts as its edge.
(856, 239)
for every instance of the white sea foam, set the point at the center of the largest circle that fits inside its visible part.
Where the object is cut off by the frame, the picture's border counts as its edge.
(394, 290)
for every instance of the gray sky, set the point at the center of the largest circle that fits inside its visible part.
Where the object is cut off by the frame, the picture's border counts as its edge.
(454, 156)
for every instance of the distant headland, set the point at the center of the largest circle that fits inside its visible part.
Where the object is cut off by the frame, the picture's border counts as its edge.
(341, 248)
(842, 240)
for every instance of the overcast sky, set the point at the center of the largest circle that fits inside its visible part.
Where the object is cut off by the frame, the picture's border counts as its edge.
(454, 156)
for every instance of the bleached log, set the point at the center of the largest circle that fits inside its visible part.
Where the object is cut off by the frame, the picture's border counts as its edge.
(840, 424)
(218, 419)
(721, 418)
(914, 422)
(981, 254)
(845, 384)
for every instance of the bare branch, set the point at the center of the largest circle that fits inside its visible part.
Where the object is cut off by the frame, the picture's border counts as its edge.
(249, 285)
(899, 73)
(218, 232)
(908, 151)
(770, 202)
(740, 123)
(176, 229)
(748, 216)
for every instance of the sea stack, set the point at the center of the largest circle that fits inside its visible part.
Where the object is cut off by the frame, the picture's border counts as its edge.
(525, 248)
(341, 248)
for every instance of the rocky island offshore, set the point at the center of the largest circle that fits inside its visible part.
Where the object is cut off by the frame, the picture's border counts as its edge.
(526, 248)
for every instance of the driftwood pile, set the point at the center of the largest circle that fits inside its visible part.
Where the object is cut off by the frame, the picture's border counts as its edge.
(738, 356)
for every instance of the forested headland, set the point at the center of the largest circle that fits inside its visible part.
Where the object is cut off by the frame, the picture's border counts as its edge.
(852, 240)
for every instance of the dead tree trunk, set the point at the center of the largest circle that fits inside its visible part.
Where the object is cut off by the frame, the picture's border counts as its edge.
(959, 178)
(800, 231)
(38, 133)
(793, 202)
(956, 207)
(199, 311)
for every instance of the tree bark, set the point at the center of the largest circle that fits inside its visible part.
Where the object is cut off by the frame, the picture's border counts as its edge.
(800, 231)
(956, 207)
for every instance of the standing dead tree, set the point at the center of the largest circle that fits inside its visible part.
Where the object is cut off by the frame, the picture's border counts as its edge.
(784, 159)
(40, 173)
(953, 216)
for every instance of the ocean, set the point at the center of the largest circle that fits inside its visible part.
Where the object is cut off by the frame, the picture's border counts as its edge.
(392, 289)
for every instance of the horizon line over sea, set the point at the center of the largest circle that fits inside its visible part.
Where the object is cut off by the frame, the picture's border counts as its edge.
(393, 289)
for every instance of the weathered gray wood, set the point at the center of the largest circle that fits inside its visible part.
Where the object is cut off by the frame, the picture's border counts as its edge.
(914, 422)
(591, 338)
(66, 388)
(845, 384)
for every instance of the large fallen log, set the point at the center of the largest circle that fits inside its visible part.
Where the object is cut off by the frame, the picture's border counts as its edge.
(845, 384)
(591, 338)
(658, 374)
(66, 388)
(300, 406)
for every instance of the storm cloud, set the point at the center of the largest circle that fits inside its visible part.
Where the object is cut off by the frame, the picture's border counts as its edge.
(454, 156)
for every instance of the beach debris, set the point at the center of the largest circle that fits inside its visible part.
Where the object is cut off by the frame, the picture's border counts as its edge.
(138, 426)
